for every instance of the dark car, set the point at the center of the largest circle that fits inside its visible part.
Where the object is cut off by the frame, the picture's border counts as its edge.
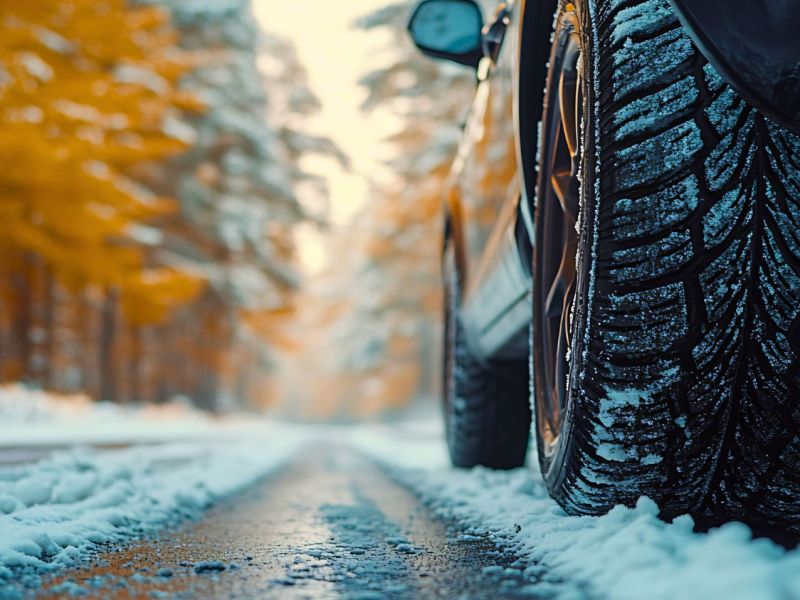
(621, 250)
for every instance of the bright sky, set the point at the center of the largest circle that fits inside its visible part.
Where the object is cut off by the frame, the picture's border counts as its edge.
(335, 55)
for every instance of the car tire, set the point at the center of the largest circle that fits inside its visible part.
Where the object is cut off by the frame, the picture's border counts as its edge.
(486, 405)
(683, 369)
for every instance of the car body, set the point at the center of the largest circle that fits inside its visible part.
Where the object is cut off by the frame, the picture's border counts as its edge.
(657, 308)
(488, 207)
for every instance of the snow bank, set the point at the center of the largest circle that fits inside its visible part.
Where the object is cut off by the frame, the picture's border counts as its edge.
(30, 417)
(54, 512)
(627, 554)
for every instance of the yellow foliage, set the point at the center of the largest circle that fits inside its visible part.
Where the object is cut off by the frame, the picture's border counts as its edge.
(274, 325)
(151, 294)
(86, 90)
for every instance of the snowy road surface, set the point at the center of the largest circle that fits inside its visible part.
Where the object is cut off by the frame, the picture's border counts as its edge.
(289, 511)
(330, 524)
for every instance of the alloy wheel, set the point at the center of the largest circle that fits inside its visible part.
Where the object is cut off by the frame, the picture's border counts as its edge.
(556, 236)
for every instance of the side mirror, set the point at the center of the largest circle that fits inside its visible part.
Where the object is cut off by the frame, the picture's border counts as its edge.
(448, 29)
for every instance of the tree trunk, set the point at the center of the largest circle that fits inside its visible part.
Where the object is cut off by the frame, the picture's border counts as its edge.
(135, 365)
(49, 327)
(108, 333)
(22, 323)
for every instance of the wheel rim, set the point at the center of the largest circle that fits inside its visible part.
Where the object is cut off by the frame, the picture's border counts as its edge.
(556, 237)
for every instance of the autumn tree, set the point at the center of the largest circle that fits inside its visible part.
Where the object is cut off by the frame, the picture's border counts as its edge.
(237, 189)
(86, 88)
(147, 206)
(371, 326)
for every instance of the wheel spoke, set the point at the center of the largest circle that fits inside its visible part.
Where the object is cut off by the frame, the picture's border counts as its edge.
(565, 187)
(561, 161)
(568, 267)
(556, 238)
(565, 160)
(559, 381)
(568, 96)
(555, 304)
(555, 297)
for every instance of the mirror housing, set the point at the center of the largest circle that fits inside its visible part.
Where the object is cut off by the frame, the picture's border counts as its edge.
(449, 30)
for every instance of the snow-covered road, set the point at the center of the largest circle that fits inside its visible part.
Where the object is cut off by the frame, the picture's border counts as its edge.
(330, 524)
(57, 513)
(627, 554)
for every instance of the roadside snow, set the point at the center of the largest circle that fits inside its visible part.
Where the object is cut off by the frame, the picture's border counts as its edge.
(30, 417)
(627, 554)
(54, 512)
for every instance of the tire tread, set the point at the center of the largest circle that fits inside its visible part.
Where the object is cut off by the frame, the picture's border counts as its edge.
(690, 392)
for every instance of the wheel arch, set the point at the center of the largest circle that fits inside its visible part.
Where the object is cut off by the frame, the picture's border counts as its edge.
(755, 47)
(533, 49)
(453, 233)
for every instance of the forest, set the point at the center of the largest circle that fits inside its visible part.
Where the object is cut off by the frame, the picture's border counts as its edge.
(150, 192)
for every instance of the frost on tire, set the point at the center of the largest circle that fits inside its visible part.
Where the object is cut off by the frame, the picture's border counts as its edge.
(686, 388)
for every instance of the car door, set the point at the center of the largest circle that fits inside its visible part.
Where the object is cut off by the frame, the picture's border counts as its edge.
(484, 174)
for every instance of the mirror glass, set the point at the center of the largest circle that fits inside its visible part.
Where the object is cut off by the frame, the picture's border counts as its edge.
(447, 26)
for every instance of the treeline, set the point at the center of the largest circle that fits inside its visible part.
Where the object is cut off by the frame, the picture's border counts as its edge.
(372, 324)
(146, 205)
(402, 330)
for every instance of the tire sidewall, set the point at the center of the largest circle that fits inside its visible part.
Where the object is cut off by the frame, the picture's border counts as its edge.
(556, 466)
(450, 303)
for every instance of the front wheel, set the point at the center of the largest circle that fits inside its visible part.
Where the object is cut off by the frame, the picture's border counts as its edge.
(486, 405)
(666, 324)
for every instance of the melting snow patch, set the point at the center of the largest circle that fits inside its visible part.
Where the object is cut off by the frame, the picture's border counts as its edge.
(612, 452)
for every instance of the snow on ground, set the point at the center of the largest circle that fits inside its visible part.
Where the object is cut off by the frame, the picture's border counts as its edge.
(627, 554)
(30, 417)
(55, 511)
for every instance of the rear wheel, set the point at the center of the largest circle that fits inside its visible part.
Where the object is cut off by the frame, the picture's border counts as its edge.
(486, 405)
(666, 326)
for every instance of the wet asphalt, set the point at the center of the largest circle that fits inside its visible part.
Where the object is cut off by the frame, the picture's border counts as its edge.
(331, 524)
